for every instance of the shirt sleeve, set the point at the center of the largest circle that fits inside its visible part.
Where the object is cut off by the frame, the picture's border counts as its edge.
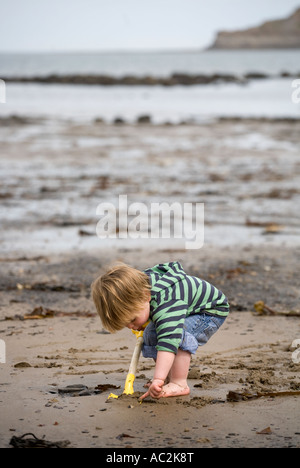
(168, 319)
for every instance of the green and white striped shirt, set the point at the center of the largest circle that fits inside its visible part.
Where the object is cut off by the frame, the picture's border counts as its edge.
(176, 295)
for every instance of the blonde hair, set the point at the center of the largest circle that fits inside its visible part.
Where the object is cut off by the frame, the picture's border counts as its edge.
(118, 294)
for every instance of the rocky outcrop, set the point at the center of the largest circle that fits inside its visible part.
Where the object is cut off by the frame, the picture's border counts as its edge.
(279, 34)
(176, 79)
(106, 80)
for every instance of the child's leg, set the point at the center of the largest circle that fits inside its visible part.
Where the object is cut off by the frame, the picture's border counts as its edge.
(180, 369)
(198, 329)
(178, 376)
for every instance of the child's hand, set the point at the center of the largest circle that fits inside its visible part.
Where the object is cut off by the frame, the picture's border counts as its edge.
(155, 389)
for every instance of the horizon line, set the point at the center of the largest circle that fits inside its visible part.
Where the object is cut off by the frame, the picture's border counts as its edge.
(110, 51)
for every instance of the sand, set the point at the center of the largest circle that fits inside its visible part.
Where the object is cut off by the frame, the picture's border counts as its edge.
(249, 180)
(250, 353)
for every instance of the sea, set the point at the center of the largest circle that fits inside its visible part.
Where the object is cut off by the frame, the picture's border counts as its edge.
(54, 173)
(270, 97)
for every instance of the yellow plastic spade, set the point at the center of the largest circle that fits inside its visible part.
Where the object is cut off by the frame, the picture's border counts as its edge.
(128, 389)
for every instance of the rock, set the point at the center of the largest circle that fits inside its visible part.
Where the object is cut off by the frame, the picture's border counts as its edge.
(278, 34)
(99, 120)
(175, 79)
(255, 76)
(295, 345)
(119, 121)
(144, 119)
(76, 388)
(21, 365)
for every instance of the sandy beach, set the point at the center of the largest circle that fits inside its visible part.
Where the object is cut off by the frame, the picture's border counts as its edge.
(250, 354)
(54, 174)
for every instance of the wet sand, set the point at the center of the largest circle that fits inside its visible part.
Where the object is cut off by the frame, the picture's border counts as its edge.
(47, 266)
(250, 353)
(54, 174)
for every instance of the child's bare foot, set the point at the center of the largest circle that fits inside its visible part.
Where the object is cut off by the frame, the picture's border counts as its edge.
(172, 390)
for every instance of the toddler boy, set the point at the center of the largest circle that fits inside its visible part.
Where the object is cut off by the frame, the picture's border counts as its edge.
(184, 312)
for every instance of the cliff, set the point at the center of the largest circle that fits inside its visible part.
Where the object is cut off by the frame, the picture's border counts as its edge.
(278, 34)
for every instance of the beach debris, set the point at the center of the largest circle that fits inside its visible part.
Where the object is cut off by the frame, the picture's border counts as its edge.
(262, 309)
(144, 119)
(75, 390)
(234, 272)
(273, 229)
(83, 232)
(233, 396)
(295, 345)
(123, 435)
(112, 395)
(203, 440)
(267, 430)
(103, 387)
(119, 121)
(22, 365)
(269, 228)
(29, 440)
(49, 287)
(41, 312)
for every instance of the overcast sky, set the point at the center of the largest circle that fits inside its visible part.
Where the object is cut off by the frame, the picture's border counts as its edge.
(91, 25)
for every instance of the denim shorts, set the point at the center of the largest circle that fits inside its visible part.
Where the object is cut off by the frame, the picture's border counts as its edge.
(197, 330)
